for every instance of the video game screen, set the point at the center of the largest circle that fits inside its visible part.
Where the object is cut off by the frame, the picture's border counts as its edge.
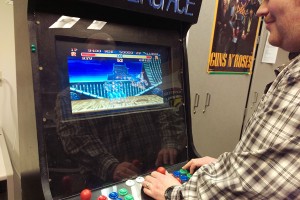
(102, 77)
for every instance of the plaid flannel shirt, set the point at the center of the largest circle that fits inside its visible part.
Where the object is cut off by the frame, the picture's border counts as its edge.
(266, 162)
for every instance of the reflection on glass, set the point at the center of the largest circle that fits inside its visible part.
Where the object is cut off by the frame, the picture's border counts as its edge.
(115, 148)
(118, 114)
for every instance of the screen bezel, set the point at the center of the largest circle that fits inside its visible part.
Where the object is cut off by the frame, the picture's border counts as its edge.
(63, 45)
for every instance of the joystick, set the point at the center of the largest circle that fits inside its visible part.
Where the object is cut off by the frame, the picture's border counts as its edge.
(161, 170)
(85, 194)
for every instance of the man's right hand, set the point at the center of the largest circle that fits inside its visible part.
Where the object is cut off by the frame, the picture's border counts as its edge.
(125, 170)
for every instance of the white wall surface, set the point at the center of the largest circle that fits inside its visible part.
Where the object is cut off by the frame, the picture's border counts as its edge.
(8, 89)
(218, 118)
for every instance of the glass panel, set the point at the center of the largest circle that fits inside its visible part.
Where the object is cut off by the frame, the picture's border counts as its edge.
(112, 104)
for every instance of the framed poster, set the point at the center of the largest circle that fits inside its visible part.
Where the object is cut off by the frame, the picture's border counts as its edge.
(234, 38)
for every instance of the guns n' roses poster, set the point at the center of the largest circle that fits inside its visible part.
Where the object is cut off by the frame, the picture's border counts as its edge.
(235, 32)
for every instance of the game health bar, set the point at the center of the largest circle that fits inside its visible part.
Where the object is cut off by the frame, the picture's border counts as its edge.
(115, 55)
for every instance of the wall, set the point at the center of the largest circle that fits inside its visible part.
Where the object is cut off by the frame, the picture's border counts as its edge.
(217, 115)
(8, 91)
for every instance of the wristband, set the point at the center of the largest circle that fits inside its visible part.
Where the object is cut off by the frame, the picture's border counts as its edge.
(168, 192)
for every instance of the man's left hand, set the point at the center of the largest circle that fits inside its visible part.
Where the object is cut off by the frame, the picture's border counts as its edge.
(156, 184)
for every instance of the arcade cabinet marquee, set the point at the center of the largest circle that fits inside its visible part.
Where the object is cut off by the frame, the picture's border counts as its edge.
(181, 10)
(111, 93)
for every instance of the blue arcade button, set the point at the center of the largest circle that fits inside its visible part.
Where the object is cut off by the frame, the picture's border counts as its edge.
(113, 195)
(184, 178)
(176, 173)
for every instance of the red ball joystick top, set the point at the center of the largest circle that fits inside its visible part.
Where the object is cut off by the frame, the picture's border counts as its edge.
(161, 170)
(85, 194)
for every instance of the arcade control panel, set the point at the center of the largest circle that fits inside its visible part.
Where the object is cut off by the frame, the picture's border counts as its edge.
(131, 189)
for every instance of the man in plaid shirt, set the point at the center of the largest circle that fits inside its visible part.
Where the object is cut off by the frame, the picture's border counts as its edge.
(266, 162)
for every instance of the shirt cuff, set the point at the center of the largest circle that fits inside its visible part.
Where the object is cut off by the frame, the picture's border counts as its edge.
(176, 193)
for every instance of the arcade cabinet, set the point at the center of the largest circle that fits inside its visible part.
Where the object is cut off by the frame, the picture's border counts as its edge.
(111, 93)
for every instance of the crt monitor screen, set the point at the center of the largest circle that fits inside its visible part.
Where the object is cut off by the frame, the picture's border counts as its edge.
(110, 78)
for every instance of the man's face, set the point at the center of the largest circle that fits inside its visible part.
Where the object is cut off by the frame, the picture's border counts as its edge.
(282, 18)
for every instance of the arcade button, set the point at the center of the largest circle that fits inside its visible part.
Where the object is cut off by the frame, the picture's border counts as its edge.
(123, 192)
(139, 179)
(189, 175)
(33, 48)
(183, 171)
(128, 197)
(85, 194)
(113, 195)
(102, 197)
(130, 183)
(183, 178)
(176, 173)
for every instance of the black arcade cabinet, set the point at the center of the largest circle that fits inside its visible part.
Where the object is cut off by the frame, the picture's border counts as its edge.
(111, 93)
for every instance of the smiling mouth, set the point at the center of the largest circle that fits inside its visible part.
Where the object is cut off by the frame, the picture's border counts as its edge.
(268, 22)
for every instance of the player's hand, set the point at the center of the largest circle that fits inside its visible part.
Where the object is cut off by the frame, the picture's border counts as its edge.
(193, 164)
(244, 36)
(125, 170)
(166, 156)
(156, 184)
